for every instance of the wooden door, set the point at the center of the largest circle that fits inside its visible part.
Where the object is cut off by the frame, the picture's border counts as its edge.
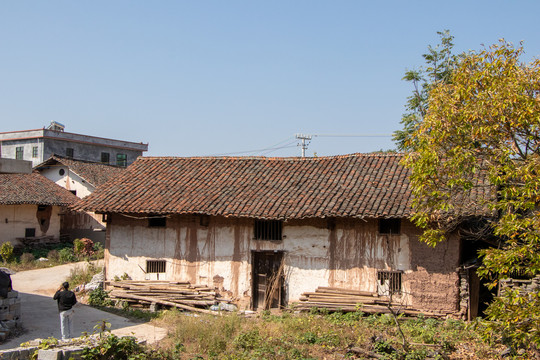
(267, 275)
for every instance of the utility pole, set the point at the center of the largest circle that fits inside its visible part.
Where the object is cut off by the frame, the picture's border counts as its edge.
(304, 144)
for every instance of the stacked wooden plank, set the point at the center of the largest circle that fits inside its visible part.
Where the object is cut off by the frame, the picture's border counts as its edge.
(181, 295)
(337, 299)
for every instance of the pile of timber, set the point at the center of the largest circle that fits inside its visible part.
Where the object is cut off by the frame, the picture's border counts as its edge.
(182, 295)
(337, 299)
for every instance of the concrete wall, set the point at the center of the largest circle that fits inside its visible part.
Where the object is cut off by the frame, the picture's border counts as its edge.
(14, 219)
(340, 253)
(12, 166)
(51, 142)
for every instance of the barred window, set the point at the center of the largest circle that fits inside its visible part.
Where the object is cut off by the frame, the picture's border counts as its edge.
(105, 157)
(389, 282)
(69, 152)
(155, 266)
(34, 151)
(268, 229)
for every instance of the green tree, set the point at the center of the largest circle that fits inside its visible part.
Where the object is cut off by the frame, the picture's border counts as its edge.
(477, 152)
(439, 65)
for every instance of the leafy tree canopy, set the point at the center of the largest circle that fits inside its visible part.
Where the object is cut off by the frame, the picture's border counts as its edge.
(439, 63)
(477, 151)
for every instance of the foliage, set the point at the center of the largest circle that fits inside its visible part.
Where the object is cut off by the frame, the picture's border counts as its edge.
(83, 247)
(114, 347)
(83, 274)
(314, 336)
(99, 297)
(66, 255)
(6, 251)
(27, 258)
(440, 63)
(53, 255)
(478, 152)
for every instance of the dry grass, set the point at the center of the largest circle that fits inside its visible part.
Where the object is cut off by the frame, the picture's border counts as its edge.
(316, 336)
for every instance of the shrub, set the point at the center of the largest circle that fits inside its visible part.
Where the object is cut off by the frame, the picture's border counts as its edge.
(99, 297)
(53, 255)
(6, 251)
(66, 255)
(83, 247)
(27, 258)
(99, 251)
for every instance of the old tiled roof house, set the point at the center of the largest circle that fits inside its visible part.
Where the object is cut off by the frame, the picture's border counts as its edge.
(81, 177)
(230, 222)
(30, 206)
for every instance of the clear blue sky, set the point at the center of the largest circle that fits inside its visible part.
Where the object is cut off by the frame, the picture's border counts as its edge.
(194, 78)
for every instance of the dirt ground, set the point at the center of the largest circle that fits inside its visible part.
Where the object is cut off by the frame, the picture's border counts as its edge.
(40, 317)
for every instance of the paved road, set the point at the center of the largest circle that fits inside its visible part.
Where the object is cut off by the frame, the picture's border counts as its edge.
(40, 312)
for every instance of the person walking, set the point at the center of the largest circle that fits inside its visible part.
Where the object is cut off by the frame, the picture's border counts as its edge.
(66, 299)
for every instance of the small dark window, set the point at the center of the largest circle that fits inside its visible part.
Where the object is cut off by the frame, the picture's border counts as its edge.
(121, 160)
(29, 232)
(74, 192)
(389, 282)
(34, 151)
(268, 229)
(19, 152)
(390, 226)
(69, 152)
(155, 266)
(61, 172)
(42, 207)
(105, 157)
(159, 221)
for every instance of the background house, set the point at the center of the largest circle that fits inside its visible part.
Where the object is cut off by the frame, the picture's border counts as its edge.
(81, 177)
(233, 222)
(40, 144)
(30, 204)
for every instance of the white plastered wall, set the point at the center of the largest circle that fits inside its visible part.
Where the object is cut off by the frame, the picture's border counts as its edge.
(219, 255)
(14, 219)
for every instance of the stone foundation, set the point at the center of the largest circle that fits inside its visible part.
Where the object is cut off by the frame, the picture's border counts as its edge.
(10, 314)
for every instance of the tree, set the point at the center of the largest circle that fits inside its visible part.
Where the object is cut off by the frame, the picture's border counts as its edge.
(439, 65)
(477, 152)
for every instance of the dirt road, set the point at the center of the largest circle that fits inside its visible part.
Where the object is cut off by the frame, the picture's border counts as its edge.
(40, 312)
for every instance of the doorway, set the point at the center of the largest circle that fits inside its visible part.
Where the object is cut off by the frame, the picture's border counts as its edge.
(268, 279)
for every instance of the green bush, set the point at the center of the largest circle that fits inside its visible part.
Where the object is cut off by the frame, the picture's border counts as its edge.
(114, 347)
(66, 255)
(83, 247)
(6, 251)
(99, 297)
(27, 258)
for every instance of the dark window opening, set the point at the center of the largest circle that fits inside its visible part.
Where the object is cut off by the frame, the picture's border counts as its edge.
(61, 172)
(74, 192)
(34, 151)
(268, 229)
(390, 226)
(160, 221)
(42, 207)
(105, 157)
(155, 266)
(19, 152)
(389, 282)
(121, 160)
(69, 152)
(29, 232)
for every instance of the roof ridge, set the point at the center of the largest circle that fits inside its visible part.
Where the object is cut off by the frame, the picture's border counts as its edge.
(287, 158)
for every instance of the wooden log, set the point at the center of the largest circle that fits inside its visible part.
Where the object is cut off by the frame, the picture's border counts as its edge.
(164, 302)
(344, 291)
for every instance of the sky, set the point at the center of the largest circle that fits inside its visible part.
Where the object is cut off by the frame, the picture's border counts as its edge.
(234, 78)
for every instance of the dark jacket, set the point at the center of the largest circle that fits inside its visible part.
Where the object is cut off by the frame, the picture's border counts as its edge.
(66, 299)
